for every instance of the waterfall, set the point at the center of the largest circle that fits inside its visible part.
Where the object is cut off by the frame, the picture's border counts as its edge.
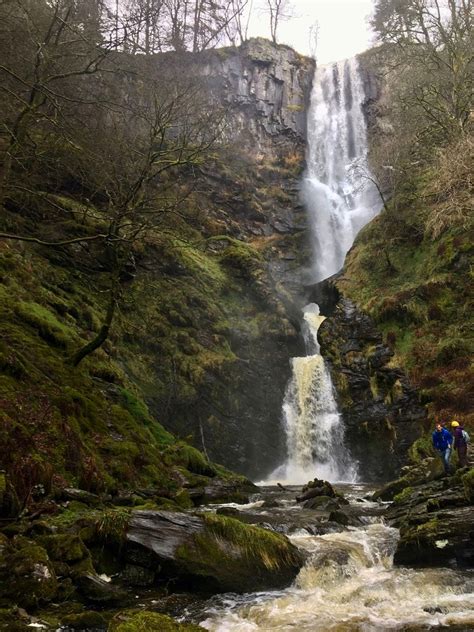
(340, 197)
(338, 192)
(313, 425)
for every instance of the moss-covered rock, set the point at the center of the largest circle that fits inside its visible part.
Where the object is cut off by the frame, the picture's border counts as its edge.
(27, 576)
(84, 621)
(468, 483)
(222, 553)
(149, 622)
(435, 521)
(64, 547)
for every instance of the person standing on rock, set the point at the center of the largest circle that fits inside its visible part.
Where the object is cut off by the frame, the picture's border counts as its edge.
(460, 442)
(443, 442)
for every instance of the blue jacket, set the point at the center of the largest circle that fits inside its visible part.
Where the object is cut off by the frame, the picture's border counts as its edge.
(442, 439)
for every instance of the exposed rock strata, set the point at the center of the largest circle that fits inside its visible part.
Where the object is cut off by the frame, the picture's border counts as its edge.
(436, 522)
(381, 410)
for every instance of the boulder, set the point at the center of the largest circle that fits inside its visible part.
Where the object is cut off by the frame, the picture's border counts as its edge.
(89, 620)
(80, 495)
(99, 591)
(323, 503)
(215, 553)
(27, 576)
(436, 524)
(221, 490)
(149, 622)
(314, 489)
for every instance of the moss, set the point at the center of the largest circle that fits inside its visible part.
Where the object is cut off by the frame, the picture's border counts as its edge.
(227, 539)
(149, 622)
(190, 458)
(12, 621)
(112, 525)
(64, 547)
(468, 484)
(403, 496)
(421, 449)
(44, 321)
(83, 621)
(31, 579)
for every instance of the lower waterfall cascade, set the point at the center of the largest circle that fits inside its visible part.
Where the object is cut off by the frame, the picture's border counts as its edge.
(340, 197)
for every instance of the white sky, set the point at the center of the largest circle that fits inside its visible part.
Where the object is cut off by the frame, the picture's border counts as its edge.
(343, 27)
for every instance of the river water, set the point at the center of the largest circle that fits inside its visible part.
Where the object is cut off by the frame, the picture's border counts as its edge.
(349, 583)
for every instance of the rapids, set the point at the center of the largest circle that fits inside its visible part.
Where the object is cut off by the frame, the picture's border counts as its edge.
(348, 584)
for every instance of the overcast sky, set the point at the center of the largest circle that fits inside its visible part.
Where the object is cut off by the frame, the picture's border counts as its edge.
(343, 28)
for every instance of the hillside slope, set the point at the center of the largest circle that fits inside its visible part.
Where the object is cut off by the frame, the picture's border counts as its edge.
(411, 270)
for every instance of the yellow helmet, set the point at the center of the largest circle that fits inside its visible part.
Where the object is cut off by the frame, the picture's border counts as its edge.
(454, 424)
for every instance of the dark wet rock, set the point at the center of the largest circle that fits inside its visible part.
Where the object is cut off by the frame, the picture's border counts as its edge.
(95, 589)
(324, 503)
(228, 511)
(222, 553)
(9, 504)
(436, 522)
(340, 517)
(381, 410)
(221, 490)
(316, 488)
(79, 495)
(133, 575)
(270, 503)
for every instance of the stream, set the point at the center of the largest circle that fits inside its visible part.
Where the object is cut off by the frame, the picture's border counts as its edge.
(348, 583)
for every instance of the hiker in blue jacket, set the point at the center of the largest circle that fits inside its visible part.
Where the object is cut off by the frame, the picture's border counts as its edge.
(443, 443)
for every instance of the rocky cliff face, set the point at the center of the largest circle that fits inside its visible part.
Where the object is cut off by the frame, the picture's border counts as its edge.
(381, 410)
(256, 228)
(267, 89)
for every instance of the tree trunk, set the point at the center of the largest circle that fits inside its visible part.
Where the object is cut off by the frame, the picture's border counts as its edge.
(102, 335)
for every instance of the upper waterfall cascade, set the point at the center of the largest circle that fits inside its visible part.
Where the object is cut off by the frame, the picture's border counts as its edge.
(340, 198)
(338, 191)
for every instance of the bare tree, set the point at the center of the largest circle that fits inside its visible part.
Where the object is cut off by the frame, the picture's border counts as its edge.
(432, 46)
(278, 11)
(46, 48)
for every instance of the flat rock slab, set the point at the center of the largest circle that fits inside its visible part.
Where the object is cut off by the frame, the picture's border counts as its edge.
(213, 553)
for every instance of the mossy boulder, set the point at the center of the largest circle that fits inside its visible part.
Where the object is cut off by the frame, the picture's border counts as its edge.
(435, 522)
(84, 621)
(213, 553)
(27, 576)
(468, 484)
(64, 547)
(149, 622)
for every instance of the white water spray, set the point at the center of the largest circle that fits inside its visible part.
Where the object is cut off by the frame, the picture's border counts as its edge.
(340, 198)
(338, 191)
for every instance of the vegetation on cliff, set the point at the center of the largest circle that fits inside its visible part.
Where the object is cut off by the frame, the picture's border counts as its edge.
(411, 268)
(134, 283)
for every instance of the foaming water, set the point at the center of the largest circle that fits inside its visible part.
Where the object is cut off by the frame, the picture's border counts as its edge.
(349, 585)
(314, 428)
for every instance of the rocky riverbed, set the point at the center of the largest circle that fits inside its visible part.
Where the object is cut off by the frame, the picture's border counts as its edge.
(258, 559)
